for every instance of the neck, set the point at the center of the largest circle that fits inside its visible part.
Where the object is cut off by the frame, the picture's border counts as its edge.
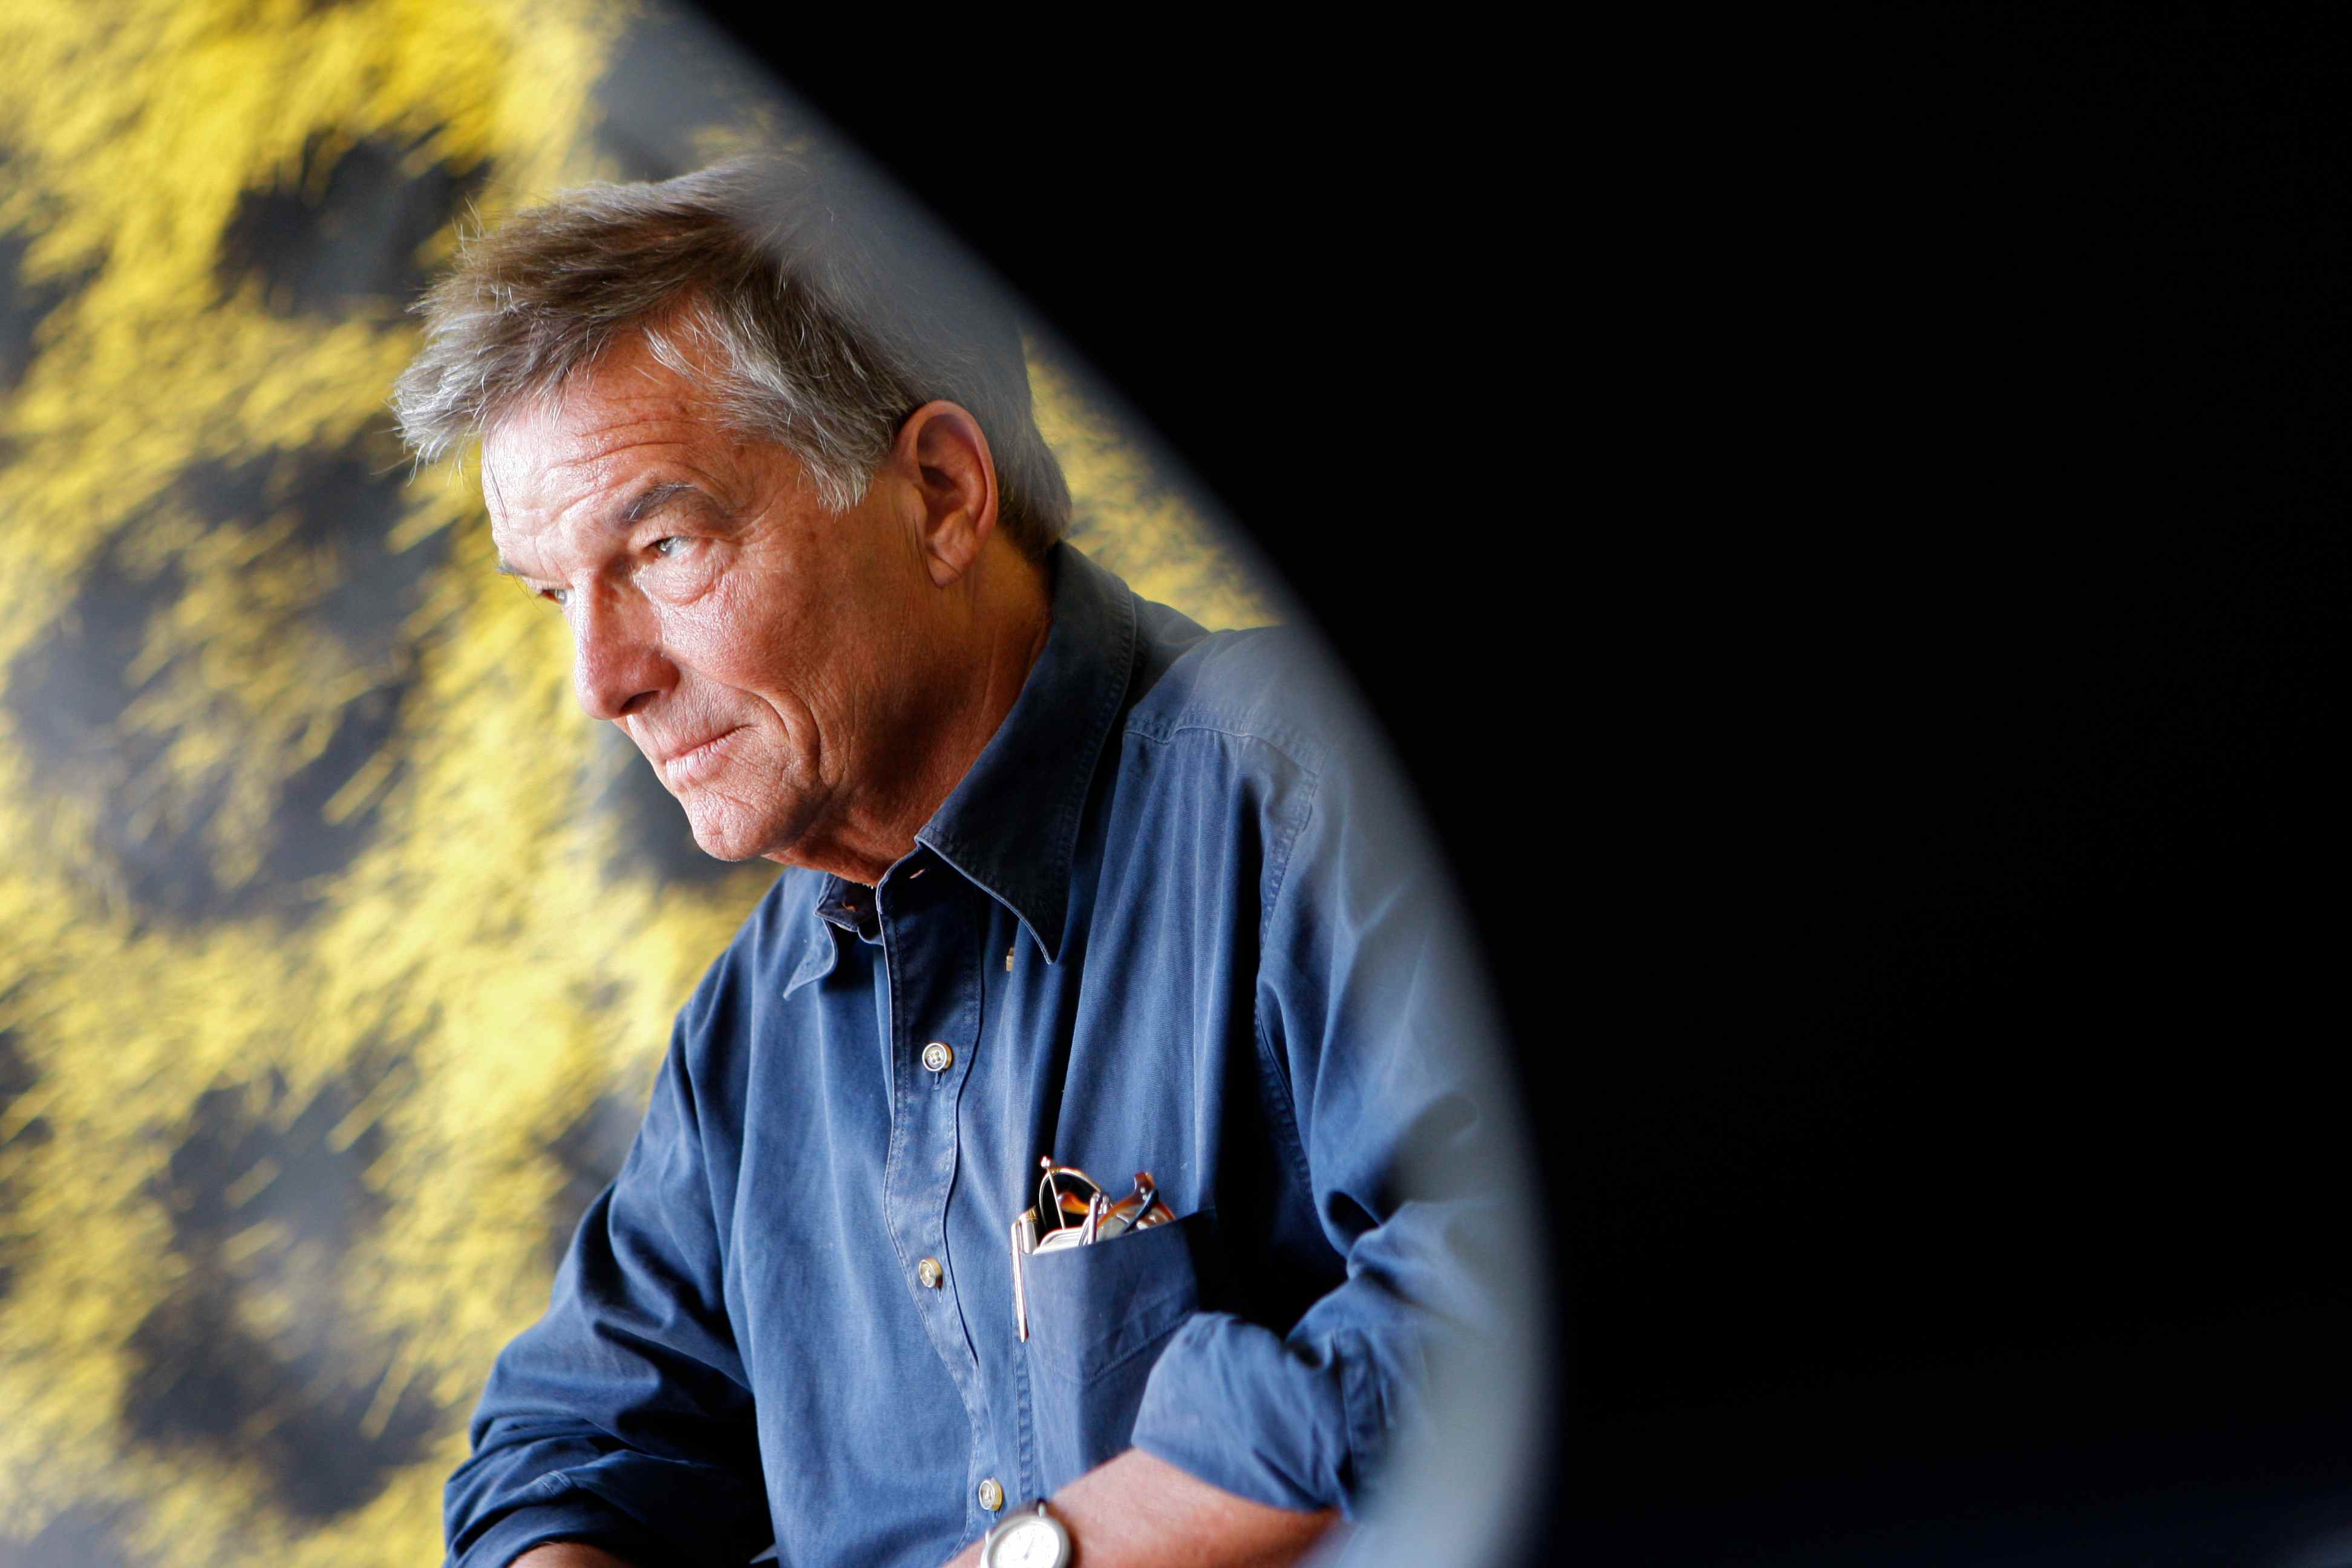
(963, 702)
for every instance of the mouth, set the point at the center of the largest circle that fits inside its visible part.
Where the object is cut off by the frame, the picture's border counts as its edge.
(685, 767)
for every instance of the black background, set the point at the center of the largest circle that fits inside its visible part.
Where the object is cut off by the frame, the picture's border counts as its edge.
(1845, 529)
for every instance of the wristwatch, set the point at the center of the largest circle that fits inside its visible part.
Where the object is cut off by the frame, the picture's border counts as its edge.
(1027, 1538)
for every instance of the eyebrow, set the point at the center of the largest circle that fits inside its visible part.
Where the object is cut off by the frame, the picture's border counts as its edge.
(651, 500)
(643, 505)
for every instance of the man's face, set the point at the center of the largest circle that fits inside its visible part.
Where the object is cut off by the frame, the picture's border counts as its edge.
(759, 652)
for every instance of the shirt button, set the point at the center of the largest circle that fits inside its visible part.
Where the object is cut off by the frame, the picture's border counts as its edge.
(930, 1272)
(991, 1496)
(939, 1056)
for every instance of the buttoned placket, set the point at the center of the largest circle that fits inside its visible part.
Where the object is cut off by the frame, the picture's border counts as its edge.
(932, 953)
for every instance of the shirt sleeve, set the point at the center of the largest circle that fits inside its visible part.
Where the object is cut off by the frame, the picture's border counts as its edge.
(623, 1417)
(1370, 1012)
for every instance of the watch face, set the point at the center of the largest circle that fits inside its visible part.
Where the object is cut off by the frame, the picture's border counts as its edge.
(1027, 1543)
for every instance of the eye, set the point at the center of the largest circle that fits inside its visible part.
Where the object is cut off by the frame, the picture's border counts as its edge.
(556, 597)
(667, 547)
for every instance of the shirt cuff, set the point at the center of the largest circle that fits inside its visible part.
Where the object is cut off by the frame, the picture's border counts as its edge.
(571, 1515)
(1286, 1423)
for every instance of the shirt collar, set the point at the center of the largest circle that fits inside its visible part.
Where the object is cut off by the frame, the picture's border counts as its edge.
(817, 960)
(1011, 825)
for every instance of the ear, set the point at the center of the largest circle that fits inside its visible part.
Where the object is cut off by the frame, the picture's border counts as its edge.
(942, 444)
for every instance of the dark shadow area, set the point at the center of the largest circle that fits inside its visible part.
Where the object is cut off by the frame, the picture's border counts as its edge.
(80, 1537)
(1959, 1191)
(313, 1179)
(23, 306)
(298, 1403)
(69, 690)
(17, 1079)
(348, 232)
(345, 504)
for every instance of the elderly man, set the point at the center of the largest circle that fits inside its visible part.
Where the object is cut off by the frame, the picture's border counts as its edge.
(1075, 887)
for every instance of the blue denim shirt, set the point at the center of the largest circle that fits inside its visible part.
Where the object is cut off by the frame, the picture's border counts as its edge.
(1170, 921)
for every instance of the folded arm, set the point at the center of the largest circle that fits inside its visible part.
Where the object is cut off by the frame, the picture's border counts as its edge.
(1372, 1017)
(1136, 1511)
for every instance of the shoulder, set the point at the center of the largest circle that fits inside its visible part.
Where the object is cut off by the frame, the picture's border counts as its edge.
(1270, 685)
(777, 940)
(1268, 717)
(750, 993)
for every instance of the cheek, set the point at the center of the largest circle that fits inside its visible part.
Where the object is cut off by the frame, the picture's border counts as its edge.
(751, 638)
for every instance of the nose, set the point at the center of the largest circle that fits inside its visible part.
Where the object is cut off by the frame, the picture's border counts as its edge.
(617, 664)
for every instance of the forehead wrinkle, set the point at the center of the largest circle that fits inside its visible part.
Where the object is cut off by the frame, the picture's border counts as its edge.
(676, 441)
(589, 437)
(613, 516)
(589, 453)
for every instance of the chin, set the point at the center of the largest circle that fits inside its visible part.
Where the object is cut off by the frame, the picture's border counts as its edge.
(734, 837)
(720, 849)
(721, 839)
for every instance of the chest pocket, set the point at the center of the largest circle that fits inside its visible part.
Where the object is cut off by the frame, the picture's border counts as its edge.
(1099, 1318)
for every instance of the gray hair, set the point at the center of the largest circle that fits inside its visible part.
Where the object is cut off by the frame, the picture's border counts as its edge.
(829, 314)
